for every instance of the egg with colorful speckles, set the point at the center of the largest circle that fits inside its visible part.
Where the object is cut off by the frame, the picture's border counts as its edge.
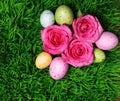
(43, 60)
(64, 15)
(107, 41)
(58, 68)
(99, 55)
(47, 18)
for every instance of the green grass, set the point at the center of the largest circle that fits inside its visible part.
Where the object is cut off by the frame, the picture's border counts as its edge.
(20, 43)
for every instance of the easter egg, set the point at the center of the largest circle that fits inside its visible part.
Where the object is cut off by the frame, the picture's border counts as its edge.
(99, 55)
(64, 15)
(47, 18)
(58, 68)
(107, 41)
(43, 60)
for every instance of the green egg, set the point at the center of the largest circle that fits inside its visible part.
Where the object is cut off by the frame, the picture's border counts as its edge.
(99, 55)
(64, 15)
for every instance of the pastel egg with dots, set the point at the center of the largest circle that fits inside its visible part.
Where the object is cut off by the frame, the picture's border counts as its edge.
(64, 15)
(107, 41)
(43, 60)
(47, 18)
(58, 68)
(99, 55)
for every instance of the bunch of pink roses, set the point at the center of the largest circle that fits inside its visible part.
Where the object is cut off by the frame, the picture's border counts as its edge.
(74, 45)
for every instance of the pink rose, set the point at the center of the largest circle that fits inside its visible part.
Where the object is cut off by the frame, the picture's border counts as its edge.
(78, 53)
(87, 28)
(56, 38)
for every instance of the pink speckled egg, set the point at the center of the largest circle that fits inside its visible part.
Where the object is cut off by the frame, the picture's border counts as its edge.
(58, 68)
(107, 41)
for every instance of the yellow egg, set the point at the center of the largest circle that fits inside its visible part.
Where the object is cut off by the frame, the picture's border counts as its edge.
(43, 60)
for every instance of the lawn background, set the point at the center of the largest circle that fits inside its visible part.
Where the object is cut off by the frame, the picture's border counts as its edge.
(20, 43)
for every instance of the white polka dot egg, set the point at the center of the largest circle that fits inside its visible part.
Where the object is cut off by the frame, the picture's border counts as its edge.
(47, 18)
